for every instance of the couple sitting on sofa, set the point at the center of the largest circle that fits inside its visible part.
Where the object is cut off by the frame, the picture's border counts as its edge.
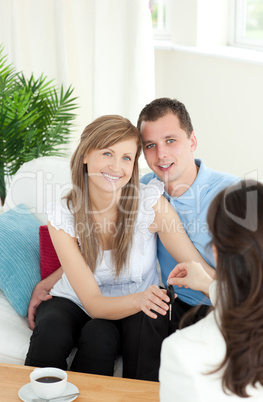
(106, 162)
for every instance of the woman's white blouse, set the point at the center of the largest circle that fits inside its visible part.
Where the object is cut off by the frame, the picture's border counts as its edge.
(188, 355)
(141, 269)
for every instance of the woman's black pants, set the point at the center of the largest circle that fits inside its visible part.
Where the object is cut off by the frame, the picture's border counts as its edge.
(61, 325)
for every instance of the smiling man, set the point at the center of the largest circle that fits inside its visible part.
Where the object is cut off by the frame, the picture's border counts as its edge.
(169, 143)
(168, 148)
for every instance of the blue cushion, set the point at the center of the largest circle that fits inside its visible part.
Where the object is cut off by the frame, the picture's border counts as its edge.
(19, 256)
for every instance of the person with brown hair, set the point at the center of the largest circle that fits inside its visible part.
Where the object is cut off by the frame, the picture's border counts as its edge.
(169, 144)
(104, 232)
(220, 358)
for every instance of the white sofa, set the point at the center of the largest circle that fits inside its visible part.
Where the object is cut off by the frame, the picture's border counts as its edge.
(36, 183)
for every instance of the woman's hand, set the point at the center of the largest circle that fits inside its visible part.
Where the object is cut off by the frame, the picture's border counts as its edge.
(155, 299)
(192, 275)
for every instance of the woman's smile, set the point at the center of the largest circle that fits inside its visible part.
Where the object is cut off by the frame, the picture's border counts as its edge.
(111, 177)
(110, 169)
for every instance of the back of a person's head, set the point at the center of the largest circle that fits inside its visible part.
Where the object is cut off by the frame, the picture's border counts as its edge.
(235, 219)
(160, 107)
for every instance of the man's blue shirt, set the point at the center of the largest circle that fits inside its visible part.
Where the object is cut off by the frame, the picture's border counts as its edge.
(192, 207)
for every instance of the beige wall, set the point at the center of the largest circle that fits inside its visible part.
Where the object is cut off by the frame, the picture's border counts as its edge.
(225, 100)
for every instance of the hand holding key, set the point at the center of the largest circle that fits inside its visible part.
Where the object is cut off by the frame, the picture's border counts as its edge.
(190, 274)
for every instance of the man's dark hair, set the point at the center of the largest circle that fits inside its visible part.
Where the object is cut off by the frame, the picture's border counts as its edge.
(162, 106)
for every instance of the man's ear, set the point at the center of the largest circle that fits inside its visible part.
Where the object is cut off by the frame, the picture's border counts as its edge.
(193, 141)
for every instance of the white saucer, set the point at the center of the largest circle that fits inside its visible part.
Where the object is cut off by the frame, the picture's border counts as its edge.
(26, 394)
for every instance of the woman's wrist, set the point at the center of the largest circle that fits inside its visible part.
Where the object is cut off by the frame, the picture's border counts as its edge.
(136, 301)
(206, 285)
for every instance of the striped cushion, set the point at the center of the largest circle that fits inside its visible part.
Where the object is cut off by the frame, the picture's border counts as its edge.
(19, 256)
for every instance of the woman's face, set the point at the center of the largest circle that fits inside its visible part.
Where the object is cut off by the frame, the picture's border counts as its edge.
(111, 168)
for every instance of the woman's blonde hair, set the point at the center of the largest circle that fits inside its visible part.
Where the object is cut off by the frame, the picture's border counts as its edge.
(102, 133)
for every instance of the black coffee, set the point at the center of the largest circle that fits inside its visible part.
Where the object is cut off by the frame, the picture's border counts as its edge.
(48, 380)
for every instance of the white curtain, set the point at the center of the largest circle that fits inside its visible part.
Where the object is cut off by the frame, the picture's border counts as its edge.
(104, 48)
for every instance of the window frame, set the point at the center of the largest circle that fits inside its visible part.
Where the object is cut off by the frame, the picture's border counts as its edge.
(237, 27)
(161, 32)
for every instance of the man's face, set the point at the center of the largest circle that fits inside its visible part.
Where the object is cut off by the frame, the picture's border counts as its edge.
(169, 151)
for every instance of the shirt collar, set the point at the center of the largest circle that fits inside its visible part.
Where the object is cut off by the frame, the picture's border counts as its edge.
(199, 187)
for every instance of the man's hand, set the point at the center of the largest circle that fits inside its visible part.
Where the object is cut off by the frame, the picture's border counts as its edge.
(190, 275)
(41, 293)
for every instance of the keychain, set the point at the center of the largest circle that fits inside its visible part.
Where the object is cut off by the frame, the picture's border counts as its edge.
(170, 294)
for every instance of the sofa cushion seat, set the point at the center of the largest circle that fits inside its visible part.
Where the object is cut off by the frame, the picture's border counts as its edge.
(14, 335)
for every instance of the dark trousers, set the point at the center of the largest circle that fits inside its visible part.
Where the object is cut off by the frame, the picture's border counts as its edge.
(154, 331)
(61, 325)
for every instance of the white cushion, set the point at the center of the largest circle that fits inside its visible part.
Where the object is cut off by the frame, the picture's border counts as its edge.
(14, 334)
(39, 182)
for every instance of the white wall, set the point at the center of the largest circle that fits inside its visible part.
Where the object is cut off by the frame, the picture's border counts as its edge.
(103, 48)
(224, 97)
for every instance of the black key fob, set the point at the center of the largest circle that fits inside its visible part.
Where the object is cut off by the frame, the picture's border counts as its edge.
(170, 293)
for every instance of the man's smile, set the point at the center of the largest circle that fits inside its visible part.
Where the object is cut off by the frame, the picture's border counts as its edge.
(166, 166)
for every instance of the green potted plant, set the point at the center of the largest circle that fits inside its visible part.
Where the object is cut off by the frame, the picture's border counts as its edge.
(35, 119)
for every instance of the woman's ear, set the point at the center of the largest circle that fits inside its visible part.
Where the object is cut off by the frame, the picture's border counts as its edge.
(214, 252)
(85, 159)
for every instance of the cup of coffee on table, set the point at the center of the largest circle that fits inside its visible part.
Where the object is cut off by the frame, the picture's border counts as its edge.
(48, 382)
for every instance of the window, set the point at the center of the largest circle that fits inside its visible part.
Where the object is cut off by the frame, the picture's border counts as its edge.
(248, 24)
(160, 10)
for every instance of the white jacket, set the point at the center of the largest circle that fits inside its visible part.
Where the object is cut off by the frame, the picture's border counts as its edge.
(190, 353)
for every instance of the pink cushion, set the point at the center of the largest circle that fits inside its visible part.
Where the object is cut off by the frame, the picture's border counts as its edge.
(49, 261)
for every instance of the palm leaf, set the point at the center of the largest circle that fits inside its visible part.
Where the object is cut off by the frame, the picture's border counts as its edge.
(36, 119)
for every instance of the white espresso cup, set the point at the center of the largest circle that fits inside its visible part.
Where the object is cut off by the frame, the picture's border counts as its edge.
(48, 382)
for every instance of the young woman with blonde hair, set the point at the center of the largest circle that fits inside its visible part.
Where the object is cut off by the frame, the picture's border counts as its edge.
(104, 233)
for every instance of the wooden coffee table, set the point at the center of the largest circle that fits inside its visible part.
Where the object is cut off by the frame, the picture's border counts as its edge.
(91, 387)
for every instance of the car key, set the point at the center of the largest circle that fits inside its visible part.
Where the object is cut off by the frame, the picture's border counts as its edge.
(170, 294)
